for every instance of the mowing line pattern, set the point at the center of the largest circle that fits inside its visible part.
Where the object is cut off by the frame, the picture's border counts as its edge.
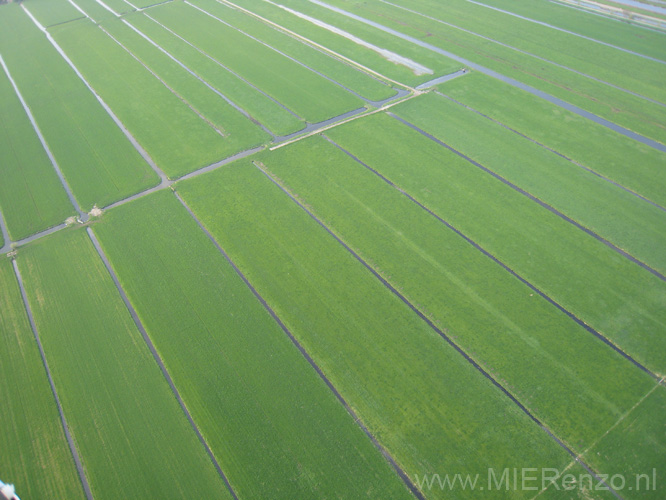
(545, 205)
(485, 252)
(70, 440)
(588, 169)
(437, 330)
(157, 357)
(524, 52)
(403, 475)
(499, 76)
(63, 181)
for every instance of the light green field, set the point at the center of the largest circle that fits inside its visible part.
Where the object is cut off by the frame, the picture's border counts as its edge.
(341, 72)
(309, 95)
(623, 160)
(623, 219)
(361, 54)
(35, 456)
(126, 423)
(31, 195)
(99, 163)
(607, 291)
(95, 10)
(259, 404)
(410, 388)
(177, 139)
(50, 12)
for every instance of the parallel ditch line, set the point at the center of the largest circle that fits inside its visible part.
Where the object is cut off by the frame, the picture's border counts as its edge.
(158, 358)
(499, 76)
(387, 456)
(504, 266)
(540, 202)
(144, 154)
(557, 28)
(293, 59)
(7, 245)
(524, 52)
(63, 420)
(437, 330)
(54, 163)
(588, 169)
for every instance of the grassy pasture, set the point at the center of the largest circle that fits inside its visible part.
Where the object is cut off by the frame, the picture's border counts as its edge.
(50, 12)
(615, 105)
(621, 218)
(369, 58)
(309, 95)
(261, 407)
(176, 138)
(31, 195)
(339, 71)
(575, 384)
(412, 390)
(111, 389)
(99, 163)
(623, 160)
(261, 108)
(35, 456)
(606, 290)
(647, 42)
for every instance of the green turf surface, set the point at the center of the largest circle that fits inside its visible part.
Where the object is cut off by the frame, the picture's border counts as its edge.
(177, 139)
(267, 112)
(342, 72)
(610, 293)
(126, 423)
(31, 195)
(35, 456)
(309, 95)
(260, 405)
(99, 163)
(616, 215)
(623, 160)
(412, 390)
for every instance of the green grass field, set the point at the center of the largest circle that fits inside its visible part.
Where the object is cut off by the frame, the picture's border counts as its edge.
(239, 373)
(31, 195)
(52, 12)
(111, 389)
(35, 453)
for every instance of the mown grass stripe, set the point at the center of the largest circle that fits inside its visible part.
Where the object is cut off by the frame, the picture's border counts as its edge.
(469, 240)
(70, 440)
(542, 203)
(157, 357)
(436, 329)
(405, 478)
(561, 155)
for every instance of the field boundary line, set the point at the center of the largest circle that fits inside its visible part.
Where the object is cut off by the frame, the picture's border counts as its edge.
(144, 154)
(63, 420)
(35, 127)
(434, 327)
(157, 357)
(504, 266)
(306, 41)
(499, 76)
(387, 456)
(557, 28)
(535, 199)
(588, 169)
(7, 241)
(530, 54)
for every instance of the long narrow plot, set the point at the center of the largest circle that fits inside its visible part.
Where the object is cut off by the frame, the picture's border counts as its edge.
(260, 406)
(35, 454)
(98, 162)
(31, 195)
(174, 135)
(411, 389)
(611, 294)
(125, 422)
(309, 95)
